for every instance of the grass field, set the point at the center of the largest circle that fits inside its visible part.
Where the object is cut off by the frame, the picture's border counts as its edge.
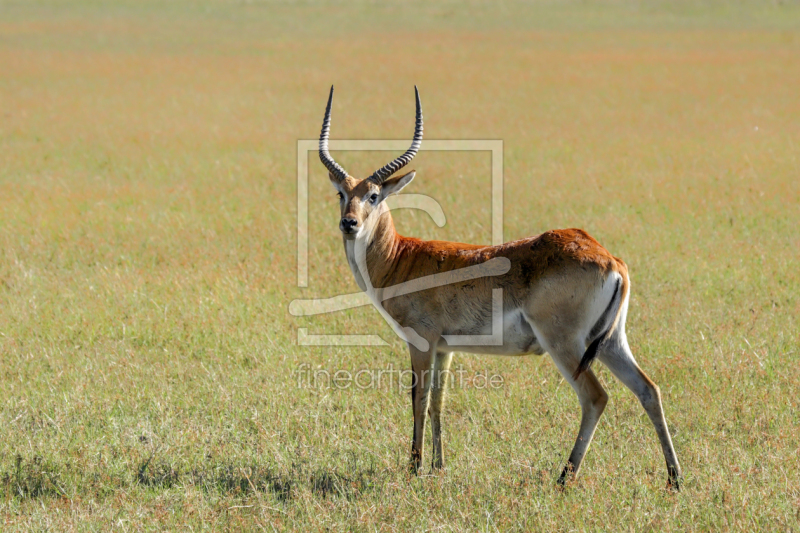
(148, 362)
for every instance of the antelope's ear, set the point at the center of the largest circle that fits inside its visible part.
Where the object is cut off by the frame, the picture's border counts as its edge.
(396, 184)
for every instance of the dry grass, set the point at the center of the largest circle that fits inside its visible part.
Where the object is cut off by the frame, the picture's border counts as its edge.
(147, 260)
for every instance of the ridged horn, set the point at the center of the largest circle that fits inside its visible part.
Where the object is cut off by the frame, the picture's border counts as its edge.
(382, 174)
(333, 167)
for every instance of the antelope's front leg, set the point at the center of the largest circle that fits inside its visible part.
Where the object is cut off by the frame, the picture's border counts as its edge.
(420, 395)
(441, 372)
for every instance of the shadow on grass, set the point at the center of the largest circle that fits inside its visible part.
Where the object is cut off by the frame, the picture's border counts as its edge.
(229, 479)
(30, 479)
(39, 478)
(326, 483)
(347, 483)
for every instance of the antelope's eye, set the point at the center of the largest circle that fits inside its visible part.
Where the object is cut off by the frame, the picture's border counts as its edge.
(373, 198)
(340, 195)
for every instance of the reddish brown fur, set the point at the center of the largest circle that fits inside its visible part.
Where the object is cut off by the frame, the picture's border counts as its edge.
(405, 258)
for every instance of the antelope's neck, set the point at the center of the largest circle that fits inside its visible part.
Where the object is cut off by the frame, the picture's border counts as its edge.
(377, 246)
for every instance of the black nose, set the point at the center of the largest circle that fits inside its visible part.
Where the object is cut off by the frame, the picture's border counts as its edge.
(348, 224)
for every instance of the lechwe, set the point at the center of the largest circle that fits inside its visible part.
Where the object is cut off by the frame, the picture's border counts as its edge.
(560, 292)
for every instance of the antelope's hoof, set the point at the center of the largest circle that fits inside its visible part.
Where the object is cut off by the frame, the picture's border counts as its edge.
(567, 475)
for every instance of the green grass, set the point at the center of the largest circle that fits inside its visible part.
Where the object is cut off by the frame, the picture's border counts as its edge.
(148, 362)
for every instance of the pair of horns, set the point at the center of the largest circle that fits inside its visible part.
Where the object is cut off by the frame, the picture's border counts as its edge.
(383, 173)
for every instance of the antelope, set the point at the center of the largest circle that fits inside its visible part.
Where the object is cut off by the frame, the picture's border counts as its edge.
(559, 293)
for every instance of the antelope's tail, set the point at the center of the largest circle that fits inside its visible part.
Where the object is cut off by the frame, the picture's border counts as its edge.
(617, 299)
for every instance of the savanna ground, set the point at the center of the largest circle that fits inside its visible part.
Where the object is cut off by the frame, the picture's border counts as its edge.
(148, 362)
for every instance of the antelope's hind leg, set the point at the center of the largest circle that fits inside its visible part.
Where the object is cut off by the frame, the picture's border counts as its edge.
(617, 356)
(593, 399)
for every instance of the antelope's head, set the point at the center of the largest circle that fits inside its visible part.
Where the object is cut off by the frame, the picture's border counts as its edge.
(358, 198)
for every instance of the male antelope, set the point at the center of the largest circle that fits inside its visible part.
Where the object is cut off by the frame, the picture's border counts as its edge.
(562, 293)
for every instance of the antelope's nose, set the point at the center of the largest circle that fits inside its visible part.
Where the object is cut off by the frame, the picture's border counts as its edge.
(348, 225)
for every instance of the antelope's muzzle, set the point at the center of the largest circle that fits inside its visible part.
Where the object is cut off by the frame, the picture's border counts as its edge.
(348, 225)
